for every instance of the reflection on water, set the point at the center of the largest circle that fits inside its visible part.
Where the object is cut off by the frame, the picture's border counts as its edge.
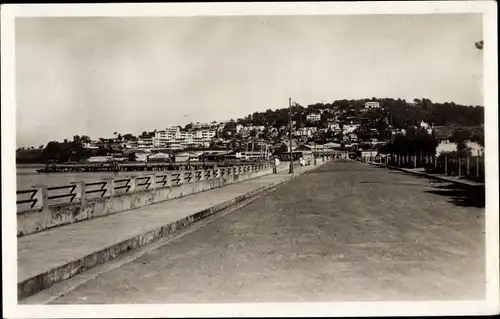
(27, 177)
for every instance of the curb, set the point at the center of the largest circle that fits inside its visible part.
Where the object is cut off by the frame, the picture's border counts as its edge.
(46, 279)
(423, 174)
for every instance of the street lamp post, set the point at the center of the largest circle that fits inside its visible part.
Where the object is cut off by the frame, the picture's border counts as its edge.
(203, 154)
(314, 154)
(290, 133)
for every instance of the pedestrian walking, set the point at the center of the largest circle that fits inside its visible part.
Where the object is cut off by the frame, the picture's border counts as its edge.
(276, 164)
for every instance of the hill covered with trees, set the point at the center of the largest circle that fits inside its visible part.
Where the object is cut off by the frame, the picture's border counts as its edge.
(399, 112)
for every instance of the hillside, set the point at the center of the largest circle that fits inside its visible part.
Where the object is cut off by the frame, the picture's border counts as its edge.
(400, 113)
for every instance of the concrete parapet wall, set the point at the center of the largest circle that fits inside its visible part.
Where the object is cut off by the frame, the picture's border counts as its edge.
(48, 216)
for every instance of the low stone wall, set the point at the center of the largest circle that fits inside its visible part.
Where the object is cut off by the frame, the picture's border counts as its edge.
(47, 216)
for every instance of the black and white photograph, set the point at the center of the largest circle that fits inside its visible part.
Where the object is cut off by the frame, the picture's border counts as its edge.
(291, 155)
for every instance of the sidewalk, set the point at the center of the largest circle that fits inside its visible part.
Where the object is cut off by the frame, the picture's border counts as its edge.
(421, 172)
(57, 254)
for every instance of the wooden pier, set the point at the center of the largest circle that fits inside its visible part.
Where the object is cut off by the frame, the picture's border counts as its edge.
(136, 166)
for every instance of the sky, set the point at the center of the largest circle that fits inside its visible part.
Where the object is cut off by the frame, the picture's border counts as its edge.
(96, 75)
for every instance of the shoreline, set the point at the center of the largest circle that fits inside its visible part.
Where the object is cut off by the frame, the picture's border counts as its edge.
(38, 165)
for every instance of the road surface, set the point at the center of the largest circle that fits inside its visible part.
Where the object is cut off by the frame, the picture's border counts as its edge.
(347, 231)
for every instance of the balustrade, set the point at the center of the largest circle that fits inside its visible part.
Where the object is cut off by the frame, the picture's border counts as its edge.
(41, 196)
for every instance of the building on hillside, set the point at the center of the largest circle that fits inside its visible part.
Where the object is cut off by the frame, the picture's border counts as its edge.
(349, 128)
(198, 126)
(146, 142)
(239, 127)
(313, 117)
(424, 125)
(372, 105)
(334, 126)
(353, 138)
(90, 145)
(305, 131)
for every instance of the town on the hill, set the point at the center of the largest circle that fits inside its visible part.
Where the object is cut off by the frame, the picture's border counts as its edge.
(356, 128)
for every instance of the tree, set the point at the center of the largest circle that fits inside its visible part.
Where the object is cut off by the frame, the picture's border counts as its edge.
(460, 137)
(426, 103)
(478, 137)
(76, 140)
(229, 129)
(188, 126)
(129, 137)
(416, 141)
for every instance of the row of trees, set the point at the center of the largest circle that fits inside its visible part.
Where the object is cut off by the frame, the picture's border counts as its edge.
(61, 151)
(419, 142)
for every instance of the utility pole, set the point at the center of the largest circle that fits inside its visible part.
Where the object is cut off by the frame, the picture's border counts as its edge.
(314, 154)
(203, 152)
(290, 133)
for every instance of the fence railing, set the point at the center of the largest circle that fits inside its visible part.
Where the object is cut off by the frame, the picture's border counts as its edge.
(41, 196)
(468, 167)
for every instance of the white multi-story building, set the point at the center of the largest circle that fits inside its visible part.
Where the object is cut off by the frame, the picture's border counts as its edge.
(372, 105)
(146, 142)
(239, 127)
(175, 139)
(306, 131)
(162, 137)
(313, 117)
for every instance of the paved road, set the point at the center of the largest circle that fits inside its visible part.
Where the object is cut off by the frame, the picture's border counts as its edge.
(347, 231)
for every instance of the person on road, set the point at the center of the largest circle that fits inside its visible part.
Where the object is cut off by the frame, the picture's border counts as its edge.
(276, 164)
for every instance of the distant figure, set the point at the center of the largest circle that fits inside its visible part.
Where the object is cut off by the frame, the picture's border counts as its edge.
(302, 162)
(309, 161)
(276, 164)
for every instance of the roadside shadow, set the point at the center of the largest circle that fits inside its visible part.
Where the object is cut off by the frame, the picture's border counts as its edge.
(461, 196)
(393, 183)
(464, 196)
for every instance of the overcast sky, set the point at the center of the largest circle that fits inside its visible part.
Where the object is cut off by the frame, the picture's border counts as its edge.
(95, 76)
